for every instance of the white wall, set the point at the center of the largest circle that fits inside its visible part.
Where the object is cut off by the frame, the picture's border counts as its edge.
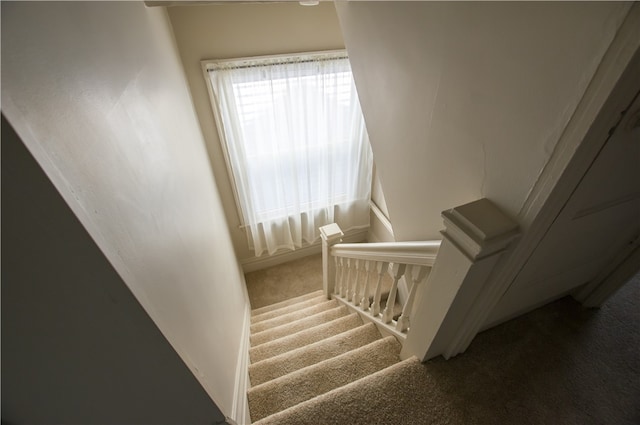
(465, 100)
(223, 31)
(97, 92)
(76, 345)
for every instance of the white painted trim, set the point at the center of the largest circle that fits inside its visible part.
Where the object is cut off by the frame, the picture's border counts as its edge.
(240, 405)
(614, 63)
(259, 263)
(381, 217)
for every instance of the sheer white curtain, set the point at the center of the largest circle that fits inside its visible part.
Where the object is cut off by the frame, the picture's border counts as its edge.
(297, 147)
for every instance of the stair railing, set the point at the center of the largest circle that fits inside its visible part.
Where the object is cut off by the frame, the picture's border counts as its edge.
(354, 274)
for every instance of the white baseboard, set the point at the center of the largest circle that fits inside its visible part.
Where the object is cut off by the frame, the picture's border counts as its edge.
(240, 408)
(259, 263)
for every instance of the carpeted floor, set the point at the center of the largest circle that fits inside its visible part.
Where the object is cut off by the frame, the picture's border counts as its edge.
(289, 280)
(560, 364)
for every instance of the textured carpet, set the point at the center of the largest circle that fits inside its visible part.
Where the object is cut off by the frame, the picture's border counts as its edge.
(284, 307)
(308, 347)
(297, 325)
(311, 381)
(302, 338)
(279, 283)
(287, 318)
(560, 364)
(299, 358)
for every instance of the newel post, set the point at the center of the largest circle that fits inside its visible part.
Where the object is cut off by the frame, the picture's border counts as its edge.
(445, 318)
(331, 235)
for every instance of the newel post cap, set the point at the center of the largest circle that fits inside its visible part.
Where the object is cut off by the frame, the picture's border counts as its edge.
(331, 232)
(479, 228)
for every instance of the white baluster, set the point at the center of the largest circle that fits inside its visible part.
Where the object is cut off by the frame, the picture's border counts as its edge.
(397, 271)
(354, 292)
(347, 283)
(381, 268)
(404, 320)
(364, 302)
(338, 267)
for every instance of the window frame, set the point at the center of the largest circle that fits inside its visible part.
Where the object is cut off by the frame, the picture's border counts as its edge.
(208, 65)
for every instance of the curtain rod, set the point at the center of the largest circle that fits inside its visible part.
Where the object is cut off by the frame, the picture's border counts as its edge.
(262, 62)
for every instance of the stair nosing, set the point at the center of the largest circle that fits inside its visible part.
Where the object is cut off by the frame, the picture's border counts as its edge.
(332, 359)
(317, 368)
(348, 317)
(290, 314)
(342, 388)
(286, 302)
(364, 328)
(275, 313)
(273, 330)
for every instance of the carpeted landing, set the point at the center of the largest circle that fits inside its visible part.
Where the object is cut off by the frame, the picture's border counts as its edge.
(307, 347)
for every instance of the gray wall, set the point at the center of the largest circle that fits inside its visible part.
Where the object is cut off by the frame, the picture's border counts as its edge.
(76, 345)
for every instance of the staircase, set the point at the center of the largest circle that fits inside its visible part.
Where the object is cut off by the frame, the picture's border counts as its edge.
(306, 348)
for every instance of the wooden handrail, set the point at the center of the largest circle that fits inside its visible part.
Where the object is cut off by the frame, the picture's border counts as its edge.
(417, 253)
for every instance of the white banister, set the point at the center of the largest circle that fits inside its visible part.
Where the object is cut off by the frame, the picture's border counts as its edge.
(353, 265)
(419, 253)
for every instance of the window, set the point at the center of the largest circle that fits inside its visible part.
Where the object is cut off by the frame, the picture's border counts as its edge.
(295, 143)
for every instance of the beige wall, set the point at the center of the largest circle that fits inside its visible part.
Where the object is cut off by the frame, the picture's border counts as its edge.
(77, 348)
(465, 100)
(97, 92)
(241, 30)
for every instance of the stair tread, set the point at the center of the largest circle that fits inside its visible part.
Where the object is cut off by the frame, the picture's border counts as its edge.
(304, 337)
(290, 328)
(285, 303)
(288, 309)
(299, 358)
(309, 382)
(292, 316)
(387, 397)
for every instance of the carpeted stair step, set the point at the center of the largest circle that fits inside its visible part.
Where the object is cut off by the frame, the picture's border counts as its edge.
(395, 395)
(305, 337)
(291, 361)
(290, 301)
(309, 382)
(288, 309)
(293, 316)
(297, 326)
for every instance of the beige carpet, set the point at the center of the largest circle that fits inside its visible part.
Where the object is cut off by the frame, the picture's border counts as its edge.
(560, 364)
(308, 347)
(279, 283)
